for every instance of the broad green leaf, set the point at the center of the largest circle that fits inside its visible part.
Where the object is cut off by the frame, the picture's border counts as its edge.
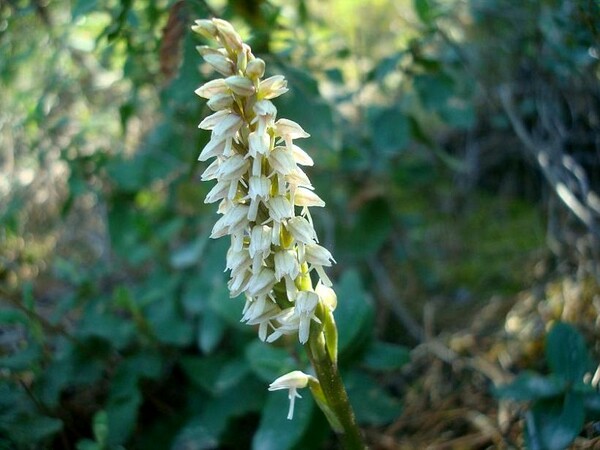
(553, 424)
(211, 329)
(275, 432)
(229, 309)
(566, 352)
(189, 253)
(267, 361)
(434, 90)
(531, 386)
(103, 324)
(83, 7)
(423, 9)
(195, 435)
(354, 313)
(168, 324)
(385, 357)
(23, 359)
(365, 233)
(372, 404)
(216, 373)
(390, 129)
(31, 429)
(122, 413)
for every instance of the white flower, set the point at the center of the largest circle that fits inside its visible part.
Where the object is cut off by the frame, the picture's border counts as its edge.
(306, 303)
(326, 295)
(272, 87)
(305, 197)
(280, 208)
(258, 186)
(301, 230)
(286, 263)
(300, 156)
(292, 381)
(282, 160)
(211, 88)
(240, 85)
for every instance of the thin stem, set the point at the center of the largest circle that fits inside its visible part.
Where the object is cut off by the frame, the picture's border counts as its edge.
(335, 393)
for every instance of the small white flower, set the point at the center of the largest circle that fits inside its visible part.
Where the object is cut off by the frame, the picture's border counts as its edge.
(306, 303)
(282, 161)
(289, 130)
(292, 381)
(220, 101)
(240, 85)
(220, 63)
(305, 197)
(261, 282)
(318, 255)
(280, 208)
(211, 88)
(301, 157)
(233, 168)
(286, 263)
(326, 295)
(258, 144)
(272, 87)
(215, 147)
(227, 35)
(302, 230)
(255, 68)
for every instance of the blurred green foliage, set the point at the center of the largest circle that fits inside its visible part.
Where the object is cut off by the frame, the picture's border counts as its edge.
(560, 401)
(116, 328)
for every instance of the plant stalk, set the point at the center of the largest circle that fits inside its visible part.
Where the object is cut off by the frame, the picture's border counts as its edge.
(334, 391)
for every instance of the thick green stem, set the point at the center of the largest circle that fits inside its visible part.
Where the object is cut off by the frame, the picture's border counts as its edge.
(334, 391)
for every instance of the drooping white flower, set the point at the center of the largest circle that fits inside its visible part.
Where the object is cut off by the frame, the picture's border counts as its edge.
(292, 382)
(306, 302)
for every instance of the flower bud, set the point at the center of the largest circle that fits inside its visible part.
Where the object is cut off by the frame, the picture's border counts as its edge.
(327, 296)
(220, 101)
(211, 88)
(240, 85)
(255, 68)
(220, 63)
(227, 35)
(206, 28)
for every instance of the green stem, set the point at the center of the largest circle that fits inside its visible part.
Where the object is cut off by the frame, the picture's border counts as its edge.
(334, 391)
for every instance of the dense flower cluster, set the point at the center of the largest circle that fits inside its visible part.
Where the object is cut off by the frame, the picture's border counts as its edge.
(263, 193)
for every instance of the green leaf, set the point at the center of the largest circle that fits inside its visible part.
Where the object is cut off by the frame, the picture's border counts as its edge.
(385, 357)
(434, 90)
(553, 424)
(211, 330)
(229, 309)
(168, 324)
(275, 432)
(566, 352)
(372, 404)
(189, 253)
(104, 325)
(31, 429)
(83, 7)
(267, 361)
(373, 221)
(195, 436)
(531, 386)
(215, 373)
(122, 413)
(390, 129)
(354, 313)
(23, 359)
(424, 11)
